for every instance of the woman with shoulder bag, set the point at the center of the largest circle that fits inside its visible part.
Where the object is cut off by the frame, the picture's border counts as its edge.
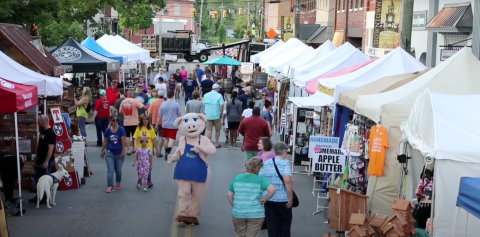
(278, 209)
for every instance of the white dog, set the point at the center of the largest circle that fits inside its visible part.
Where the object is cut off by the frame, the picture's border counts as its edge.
(46, 184)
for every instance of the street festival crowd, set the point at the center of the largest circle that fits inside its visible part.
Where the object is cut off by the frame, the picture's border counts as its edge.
(141, 123)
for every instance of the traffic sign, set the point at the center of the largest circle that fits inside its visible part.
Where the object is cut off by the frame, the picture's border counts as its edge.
(271, 33)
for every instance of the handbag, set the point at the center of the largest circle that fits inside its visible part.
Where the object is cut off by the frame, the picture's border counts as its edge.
(295, 202)
(28, 168)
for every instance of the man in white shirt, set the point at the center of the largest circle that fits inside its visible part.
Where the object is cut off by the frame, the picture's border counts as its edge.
(248, 112)
(160, 74)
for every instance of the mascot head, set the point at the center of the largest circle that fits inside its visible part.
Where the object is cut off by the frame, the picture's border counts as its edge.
(191, 124)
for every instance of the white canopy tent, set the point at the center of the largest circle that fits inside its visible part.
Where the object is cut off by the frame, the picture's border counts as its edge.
(277, 64)
(325, 48)
(256, 57)
(394, 63)
(283, 55)
(143, 52)
(346, 56)
(113, 46)
(457, 75)
(291, 43)
(315, 101)
(318, 62)
(46, 85)
(441, 127)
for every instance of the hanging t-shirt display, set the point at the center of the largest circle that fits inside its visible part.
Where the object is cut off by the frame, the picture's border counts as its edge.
(378, 146)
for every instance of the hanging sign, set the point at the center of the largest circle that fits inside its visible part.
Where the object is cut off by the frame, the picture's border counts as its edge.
(315, 144)
(60, 128)
(329, 160)
(246, 68)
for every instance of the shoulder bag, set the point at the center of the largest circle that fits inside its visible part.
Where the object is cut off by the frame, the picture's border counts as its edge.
(295, 198)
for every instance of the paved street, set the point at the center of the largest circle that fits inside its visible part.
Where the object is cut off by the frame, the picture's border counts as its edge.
(89, 211)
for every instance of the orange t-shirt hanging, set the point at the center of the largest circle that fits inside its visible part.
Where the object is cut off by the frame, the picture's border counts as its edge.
(378, 146)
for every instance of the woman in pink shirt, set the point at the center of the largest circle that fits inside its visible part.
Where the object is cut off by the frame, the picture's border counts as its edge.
(265, 147)
(184, 75)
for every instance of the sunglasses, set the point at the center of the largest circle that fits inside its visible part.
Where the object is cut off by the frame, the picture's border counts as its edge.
(114, 120)
(264, 94)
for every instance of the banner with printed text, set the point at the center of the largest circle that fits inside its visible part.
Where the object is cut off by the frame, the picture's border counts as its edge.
(386, 31)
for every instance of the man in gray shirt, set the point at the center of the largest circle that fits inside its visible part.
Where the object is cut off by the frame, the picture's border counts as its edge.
(168, 112)
(117, 104)
(195, 105)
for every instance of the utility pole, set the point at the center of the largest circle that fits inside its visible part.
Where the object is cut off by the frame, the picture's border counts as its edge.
(261, 32)
(200, 20)
(297, 19)
(406, 33)
(248, 15)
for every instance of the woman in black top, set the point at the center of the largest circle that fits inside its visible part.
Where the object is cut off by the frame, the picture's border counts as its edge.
(178, 79)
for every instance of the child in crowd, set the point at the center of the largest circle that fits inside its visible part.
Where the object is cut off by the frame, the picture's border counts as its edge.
(144, 159)
(425, 186)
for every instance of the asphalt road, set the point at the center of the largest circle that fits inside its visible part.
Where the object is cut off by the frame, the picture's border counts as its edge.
(90, 211)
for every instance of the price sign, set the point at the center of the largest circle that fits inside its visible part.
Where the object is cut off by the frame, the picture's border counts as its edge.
(129, 84)
(246, 68)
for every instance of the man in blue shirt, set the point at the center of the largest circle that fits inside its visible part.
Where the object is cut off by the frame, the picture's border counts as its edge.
(246, 97)
(214, 104)
(189, 86)
(199, 72)
(206, 85)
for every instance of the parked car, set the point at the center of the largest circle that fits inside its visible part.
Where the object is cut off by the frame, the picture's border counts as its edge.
(206, 42)
(230, 36)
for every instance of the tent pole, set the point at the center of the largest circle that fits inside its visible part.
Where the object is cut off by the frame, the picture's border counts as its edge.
(457, 216)
(36, 119)
(19, 177)
(45, 106)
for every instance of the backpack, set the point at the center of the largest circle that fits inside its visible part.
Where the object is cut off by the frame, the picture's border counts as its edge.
(88, 108)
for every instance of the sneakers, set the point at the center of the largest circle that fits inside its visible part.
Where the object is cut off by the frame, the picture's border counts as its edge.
(150, 185)
(139, 186)
(145, 189)
(118, 186)
(109, 189)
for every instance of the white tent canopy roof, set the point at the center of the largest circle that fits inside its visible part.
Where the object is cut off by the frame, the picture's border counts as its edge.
(319, 62)
(394, 63)
(314, 101)
(291, 43)
(113, 46)
(285, 55)
(457, 75)
(325, 48)
(46, 85)
(278, 63)
(145, 54)
(442, 126)
(256, 57)
(334, 63)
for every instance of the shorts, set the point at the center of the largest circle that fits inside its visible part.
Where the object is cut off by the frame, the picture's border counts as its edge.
(179, 84)
(233, 125)
(214, 123)
(130, 130)
(169, 133)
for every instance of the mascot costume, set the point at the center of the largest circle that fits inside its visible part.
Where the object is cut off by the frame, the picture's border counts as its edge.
(191, 172)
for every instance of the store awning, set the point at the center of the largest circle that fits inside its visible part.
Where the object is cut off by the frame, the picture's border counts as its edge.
(457, 17)
(338, 38)
(319, 36)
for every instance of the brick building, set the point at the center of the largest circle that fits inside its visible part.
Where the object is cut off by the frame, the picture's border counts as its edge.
(178, 11)
(308, 11)
(350, 21)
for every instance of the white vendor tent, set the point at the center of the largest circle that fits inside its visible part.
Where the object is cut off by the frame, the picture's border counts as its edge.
(346, 56)
(277, 64)
(46, 85)
(457, 75)
(315, 101)
(284, 55)
(316, 63)
(325, 48)
(291, 43)
(143, 52)
(113, 46)
(442, 127)
(256, 57)
(394, 63)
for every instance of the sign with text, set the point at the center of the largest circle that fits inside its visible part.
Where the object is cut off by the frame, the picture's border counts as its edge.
(329, 160)
(316, 143)
(386, 30)
(56, 115)
(419, 19)
(246, 68)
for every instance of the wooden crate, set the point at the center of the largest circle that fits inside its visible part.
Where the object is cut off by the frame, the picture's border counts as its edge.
(342, 206)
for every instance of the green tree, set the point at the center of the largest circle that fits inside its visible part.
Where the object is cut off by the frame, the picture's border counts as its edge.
(137, 14)
(222, 33)
(240, 26)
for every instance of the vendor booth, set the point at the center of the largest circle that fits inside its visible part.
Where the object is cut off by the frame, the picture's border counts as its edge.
(256, 57)
(457, 75)
(115, 47)
(91, 44)
(276, 65)
(324, 49)
(290, 44)
(442, 128)
(344, 57)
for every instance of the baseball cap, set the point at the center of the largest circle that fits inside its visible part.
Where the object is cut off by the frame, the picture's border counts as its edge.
(216, 86)
(103, 92)
(248, 88)
(161, 93)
